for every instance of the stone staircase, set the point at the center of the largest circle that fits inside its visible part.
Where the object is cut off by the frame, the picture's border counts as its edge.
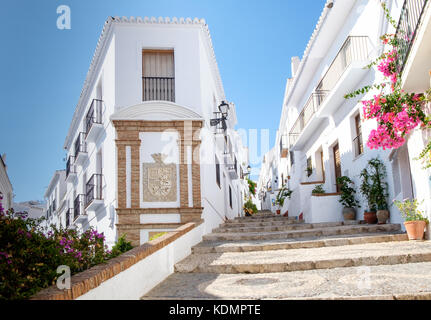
(273, 257)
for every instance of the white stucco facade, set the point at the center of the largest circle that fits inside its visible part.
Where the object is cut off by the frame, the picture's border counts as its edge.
(5, 185)
(319, 128)
(114, 84)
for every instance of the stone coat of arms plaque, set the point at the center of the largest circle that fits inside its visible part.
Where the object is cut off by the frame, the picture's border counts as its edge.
(160, 180)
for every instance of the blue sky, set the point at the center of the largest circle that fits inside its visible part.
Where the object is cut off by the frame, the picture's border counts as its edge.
(42, 68)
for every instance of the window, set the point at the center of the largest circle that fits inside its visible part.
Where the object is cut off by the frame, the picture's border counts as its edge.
(309, 167)
(357, 142)
(158, 75)
(217, 165)
(230, 197)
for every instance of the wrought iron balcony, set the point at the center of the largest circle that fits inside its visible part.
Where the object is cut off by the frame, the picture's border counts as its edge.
(158, 88)
(80, 148)
(284, 147)
(330, 91)
(70, 167)
(410, 17)
(93, 120)
(93, 192)
(233, 169)
(307, 113)
(78, 207)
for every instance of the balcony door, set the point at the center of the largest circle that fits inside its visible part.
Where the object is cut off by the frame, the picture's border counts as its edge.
(337, 164)
(158, 75)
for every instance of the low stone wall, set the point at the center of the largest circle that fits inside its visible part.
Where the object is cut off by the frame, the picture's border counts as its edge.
(119, 278)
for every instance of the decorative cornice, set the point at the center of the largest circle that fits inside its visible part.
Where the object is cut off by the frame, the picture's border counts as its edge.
(105, 37)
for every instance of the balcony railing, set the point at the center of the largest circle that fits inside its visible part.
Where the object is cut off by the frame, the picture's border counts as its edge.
(284, 147)
(70, 166)
(80, 145)
(355, 48)
(94, 115)
(78, 206)
(158, 88)
(93, 189)
(410, 17)
(307, 113)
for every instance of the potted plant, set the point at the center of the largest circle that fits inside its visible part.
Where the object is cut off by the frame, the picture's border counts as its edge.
(318, 190)
(370, 215)
(347, 198)
(249, 208)
(380, 189)
(415, 222)
(375, 189)
(281, 196)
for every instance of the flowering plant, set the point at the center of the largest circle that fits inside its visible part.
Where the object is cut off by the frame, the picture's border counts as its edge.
(409, 210)
(29, 256)
(397, 112)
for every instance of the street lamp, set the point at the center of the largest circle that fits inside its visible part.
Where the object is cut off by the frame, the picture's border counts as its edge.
(224, 110)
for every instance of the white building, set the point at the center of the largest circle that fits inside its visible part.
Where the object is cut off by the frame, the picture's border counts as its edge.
(412, 179)
(34, 209)
(322, 131)
(56, 210)
(5, 185)
(143, 157)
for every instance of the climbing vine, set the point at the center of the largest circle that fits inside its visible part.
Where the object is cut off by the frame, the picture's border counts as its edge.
(397, 112)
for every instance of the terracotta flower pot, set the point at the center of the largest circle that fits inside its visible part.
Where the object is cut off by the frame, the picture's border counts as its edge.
(278, 211)
(370, 217)
(382, 216)
(349, 214)
(415, 229)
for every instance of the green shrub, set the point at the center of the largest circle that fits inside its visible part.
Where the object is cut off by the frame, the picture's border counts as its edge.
(250, 206)
(121, 246)
(318, 189)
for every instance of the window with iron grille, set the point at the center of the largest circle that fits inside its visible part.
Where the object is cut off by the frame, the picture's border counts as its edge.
(357, 142)
(158, 75)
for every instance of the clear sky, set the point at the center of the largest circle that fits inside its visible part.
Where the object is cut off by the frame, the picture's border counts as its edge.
(42, 68)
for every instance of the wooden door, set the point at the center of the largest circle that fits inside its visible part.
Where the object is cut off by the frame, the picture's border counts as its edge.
(337, 164)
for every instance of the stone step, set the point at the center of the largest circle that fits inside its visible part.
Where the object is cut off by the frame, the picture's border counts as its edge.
(368, 254)
(283, 227)
(260, 219)
(385, 282)
(260, 224)
(235, 223)
(266, 245)
(340, 230)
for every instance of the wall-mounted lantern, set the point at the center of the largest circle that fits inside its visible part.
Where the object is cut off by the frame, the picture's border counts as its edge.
(224, 110)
